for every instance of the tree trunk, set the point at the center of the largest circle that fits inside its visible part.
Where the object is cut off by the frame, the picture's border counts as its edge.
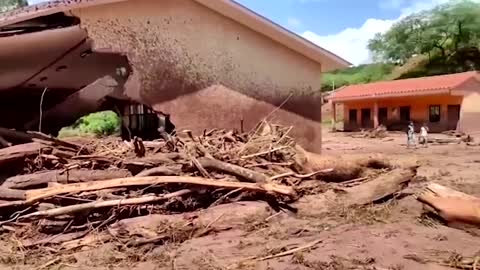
(451, 205)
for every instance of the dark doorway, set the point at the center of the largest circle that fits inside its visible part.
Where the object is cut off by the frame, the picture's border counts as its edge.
(366, 117)
(405, 113)
(352, 116)
(453, 116)
(141, 121)
(382, 116)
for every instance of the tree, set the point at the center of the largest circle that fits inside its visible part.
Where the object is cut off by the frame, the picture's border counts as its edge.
(449, 33)
(6, 5)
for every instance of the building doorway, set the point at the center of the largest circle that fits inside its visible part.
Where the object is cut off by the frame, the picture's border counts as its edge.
(382, 116)
(405, 113)
(366, 118)
(352, 116)
(453, 116)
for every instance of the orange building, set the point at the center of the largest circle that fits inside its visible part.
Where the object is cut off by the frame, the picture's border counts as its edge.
(446, 102)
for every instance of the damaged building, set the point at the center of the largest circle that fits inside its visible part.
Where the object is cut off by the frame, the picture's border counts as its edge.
(206, 63)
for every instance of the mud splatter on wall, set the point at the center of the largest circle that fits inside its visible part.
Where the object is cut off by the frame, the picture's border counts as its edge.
(179, 47)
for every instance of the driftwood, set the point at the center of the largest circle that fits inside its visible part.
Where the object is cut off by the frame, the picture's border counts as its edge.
(58, 176)
(19, 152)
(245, 174)
(380, 188)
(451, 205)
(33, 196)
(72, 209)
(343, 168)
(372, 191)
(12, 194)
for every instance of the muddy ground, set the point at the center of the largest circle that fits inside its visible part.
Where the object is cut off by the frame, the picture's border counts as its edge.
(392, 235)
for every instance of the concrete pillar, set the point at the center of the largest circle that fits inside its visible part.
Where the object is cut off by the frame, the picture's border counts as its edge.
(334, 116)
(375, 114)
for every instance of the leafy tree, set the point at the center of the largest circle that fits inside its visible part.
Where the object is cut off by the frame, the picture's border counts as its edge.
(448, 34)
(6, 5)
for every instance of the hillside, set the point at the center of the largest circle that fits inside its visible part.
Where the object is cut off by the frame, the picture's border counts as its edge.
(417, 66)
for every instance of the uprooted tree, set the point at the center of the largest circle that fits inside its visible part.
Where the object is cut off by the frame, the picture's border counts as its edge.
(448, 34)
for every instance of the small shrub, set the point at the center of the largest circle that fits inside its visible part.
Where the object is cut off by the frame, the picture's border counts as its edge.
(103, 123)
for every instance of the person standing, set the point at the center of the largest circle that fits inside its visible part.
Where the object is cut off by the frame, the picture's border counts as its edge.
(424, 135)
(411, 135)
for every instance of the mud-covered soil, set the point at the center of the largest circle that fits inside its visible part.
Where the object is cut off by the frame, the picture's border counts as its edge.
(393, 235)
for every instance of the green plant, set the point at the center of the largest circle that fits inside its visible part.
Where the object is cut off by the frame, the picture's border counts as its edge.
(95, 124)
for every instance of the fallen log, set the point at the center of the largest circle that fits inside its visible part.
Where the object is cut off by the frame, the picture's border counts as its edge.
(235, 170)
(58, 176)
(12, 194)
(33, 196)
(343, 168)
(379, 188)
(19, 152)
(72, 209)
(373, 191)
(451, 205)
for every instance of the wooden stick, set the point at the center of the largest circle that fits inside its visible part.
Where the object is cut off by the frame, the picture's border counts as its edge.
(291, 251)
(301, 176)
(225, 196)
(200, 168)
(246, 174)
(159, 171)
(72, 209)
(33, 196)
(269, 164)
(265, 152)
(72, 176)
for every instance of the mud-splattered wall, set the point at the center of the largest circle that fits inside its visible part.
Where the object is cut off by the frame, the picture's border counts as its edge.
(179, 47)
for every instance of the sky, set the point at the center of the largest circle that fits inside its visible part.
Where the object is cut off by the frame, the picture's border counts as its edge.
(340, 26)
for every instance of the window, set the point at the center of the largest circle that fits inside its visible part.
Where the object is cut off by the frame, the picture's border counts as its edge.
(352, 115)
(434, 113)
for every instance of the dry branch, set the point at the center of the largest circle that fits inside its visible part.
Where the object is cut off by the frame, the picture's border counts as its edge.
(72, 209)
(245, 174)
(160, 171)
(57, 176)
(40, 194)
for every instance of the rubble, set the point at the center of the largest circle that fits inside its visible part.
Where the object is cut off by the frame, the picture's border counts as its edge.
(379, 132)
(79, 191)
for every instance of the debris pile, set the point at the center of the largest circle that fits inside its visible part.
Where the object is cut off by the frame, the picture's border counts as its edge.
(83, 191)
(379, 132)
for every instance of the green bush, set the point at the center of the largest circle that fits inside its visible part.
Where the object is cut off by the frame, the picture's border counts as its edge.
(103, 123)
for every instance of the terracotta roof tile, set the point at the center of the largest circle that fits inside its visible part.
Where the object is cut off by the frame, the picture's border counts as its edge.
(415, 86)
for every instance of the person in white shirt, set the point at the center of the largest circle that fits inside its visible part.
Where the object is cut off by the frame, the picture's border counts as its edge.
(423, 139)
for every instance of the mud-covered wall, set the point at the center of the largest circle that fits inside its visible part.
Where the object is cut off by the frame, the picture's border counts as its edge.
(178, 47)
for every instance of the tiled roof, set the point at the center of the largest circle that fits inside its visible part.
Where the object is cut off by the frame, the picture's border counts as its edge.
(416, 86)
